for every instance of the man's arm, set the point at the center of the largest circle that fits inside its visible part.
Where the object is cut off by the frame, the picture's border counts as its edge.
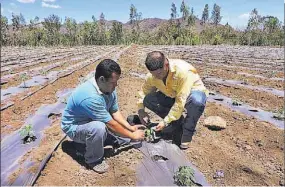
(96, 110)
(117, 116)
(118, 128)
(183, 89)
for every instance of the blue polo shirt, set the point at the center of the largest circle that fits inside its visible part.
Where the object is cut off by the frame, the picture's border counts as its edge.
(87, 103)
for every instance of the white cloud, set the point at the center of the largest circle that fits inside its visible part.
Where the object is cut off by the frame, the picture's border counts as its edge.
(50, 5)
(2, 11)
(26, 1)
(49, 0)
(244, 16)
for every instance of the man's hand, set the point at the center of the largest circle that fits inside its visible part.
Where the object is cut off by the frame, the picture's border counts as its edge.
(138, 135)
(160, 126)
(137, 127)
(144, 117)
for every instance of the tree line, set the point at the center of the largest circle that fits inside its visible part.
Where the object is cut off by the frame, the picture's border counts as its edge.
(186, 29)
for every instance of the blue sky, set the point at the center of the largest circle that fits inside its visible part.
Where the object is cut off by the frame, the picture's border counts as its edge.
(236, 12)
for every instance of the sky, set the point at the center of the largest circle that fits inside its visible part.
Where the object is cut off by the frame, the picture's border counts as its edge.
(235, 12)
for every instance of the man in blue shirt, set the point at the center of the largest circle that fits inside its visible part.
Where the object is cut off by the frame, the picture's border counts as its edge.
(92, 110)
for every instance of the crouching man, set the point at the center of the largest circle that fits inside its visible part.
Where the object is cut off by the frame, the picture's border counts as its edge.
(92, 112)
(171, 87)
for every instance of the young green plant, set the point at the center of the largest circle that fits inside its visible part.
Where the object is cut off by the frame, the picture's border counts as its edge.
(24, 77)
(27, 134)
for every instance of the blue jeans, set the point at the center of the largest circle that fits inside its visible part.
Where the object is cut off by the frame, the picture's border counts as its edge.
(183, 128)
(95, 136)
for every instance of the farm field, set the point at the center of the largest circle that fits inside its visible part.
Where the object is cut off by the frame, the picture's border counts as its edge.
(35, 83)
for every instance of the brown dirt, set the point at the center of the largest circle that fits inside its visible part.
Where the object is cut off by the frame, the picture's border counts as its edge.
(249, 152)
(15, 81)
(263, 100)
(14, 115)
(245, 143)
(232, 75)
(265, 73)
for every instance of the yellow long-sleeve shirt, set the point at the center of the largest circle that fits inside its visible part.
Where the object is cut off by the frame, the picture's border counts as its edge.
(181, 79)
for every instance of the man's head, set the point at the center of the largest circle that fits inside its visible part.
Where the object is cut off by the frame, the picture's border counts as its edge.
(157, 64)
(107, 75)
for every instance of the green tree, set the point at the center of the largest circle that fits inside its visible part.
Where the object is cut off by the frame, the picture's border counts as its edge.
(216, 14)
(271, 24)
(16, 33)
(254, 20)
(205, 14)
(102, 39)
(191, 18)
(4, 30)
(184, 9)
(133, 14)
(35, 34)
(135, 19)
(52, 26)
(94, 31)
(116, 33)
(253, 33)
(71, 27)
(15, 22)
(173, 14)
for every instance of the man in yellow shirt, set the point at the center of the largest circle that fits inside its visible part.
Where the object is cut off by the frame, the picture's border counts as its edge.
(171, 87)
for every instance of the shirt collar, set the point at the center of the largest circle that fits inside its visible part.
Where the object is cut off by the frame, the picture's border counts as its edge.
(171, 66)
(94, 83)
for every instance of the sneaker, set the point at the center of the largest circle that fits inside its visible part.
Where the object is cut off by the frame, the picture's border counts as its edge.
(184, 145)
(100, 167)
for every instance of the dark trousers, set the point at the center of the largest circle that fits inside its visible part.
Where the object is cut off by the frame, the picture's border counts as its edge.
(183, 129)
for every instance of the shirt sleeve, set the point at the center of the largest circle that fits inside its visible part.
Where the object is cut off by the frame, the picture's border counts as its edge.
(147, 88)
(96, 110)
(183, 88)
(115, 107)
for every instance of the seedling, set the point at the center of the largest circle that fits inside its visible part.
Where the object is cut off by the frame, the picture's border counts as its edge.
(236, 102)
(11, 71)
(151, 135)
(185, 176)
(244, 81)
(27, 134)
(280, 114)
(64, 100)
(272, 74)
(43, 72)
(24, 77)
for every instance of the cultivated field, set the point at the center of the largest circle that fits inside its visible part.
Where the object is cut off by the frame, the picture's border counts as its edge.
(36, 81)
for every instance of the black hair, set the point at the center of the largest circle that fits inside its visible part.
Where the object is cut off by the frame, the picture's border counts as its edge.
(154, 60)
(106, 67)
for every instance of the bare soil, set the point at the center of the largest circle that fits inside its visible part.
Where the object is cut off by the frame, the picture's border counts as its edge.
(248, 151)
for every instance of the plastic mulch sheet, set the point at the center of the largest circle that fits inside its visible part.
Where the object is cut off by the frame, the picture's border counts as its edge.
(13, 149)
(160, 162)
